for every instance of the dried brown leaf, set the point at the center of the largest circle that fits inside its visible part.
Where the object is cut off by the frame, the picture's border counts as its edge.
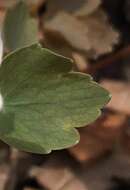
(101, 34)
(92, 34)
(56, 174)
(72, 29)
(99, 138)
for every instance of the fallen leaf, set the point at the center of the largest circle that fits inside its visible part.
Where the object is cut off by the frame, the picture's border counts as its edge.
(102, 36)
(73, 30)
(56, 174)
(85, 34)
(99, 138)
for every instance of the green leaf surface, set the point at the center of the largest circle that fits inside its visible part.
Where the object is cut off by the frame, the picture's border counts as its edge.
(46, 99)
(19, 29)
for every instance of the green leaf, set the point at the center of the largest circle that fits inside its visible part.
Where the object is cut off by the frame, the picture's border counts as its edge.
(19, 29)
(47, 100)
